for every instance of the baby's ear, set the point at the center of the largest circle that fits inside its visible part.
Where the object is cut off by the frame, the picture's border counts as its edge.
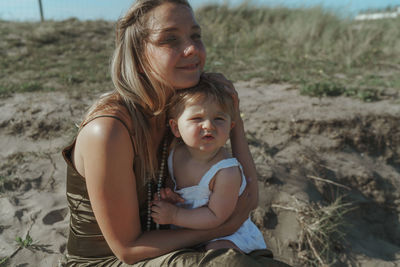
(173, 124)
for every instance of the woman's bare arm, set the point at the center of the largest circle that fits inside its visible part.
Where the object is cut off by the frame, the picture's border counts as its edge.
(240, 150)
(240, 147)
(104, 151)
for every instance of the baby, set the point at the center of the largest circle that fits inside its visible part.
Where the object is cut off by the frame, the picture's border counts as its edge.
(202, 170)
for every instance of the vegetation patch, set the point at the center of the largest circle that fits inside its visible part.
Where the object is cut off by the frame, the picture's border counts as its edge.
(303, 46)
(322, 232)
(277, 45)
(323, 89)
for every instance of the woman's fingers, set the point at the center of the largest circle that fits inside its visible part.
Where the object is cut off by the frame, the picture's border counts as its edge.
(170, 196)
(173, 196)
(221, 79)
(243, 205)
(167, 194)
(228, 85)
(239, 215)
(162, 193)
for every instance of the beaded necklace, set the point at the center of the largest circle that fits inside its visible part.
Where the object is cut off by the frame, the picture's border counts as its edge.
(159, 185)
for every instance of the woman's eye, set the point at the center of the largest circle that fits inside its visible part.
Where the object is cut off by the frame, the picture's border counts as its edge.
(196, 36)
(220, 118)
(169, 39)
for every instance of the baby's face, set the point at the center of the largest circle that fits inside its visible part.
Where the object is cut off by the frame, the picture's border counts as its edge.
(204, 126)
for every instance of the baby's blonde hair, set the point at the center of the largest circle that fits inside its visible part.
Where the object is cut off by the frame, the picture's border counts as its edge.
(205, 90)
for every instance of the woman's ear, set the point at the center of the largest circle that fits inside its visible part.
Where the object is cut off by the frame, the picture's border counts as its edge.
(173, 124)
(232, 124)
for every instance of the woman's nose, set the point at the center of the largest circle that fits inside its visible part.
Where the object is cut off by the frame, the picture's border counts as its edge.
(190, 48)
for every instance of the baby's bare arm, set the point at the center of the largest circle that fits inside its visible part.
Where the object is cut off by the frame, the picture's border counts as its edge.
(221, 205)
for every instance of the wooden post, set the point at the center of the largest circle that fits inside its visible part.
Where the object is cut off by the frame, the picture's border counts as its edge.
(41, 10)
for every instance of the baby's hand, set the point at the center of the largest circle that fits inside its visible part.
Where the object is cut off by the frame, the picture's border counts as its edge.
(163, 212)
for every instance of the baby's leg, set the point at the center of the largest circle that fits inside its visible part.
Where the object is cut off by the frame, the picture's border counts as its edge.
(221, 244)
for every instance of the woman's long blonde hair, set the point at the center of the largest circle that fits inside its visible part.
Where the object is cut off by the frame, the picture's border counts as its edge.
(137, 86)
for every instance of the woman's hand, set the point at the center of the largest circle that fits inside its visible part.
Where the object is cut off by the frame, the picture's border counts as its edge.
(169, 196)
(241, 213)
(240, 148)
(228, 85)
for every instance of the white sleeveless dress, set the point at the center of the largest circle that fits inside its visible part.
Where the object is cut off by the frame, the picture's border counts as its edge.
(248, 237)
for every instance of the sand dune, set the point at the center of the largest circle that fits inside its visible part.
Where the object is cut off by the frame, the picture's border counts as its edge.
(309, 152)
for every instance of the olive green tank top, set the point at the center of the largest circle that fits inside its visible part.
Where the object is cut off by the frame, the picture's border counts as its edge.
(85, 238)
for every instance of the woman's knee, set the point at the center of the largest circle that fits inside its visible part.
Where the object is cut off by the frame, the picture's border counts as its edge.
(219, 244)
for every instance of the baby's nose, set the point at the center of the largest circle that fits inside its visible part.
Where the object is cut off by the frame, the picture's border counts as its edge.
(208, 124)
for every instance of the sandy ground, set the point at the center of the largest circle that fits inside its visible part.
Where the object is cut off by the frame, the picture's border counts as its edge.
(307, 150)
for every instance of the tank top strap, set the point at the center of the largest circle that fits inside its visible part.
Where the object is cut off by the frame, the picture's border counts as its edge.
(223, 164)
(110, 116)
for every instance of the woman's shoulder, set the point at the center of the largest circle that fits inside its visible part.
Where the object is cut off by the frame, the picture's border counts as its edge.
(107, 124)
(105, 132)
(109, 106)
(104, 136)
(104, 127)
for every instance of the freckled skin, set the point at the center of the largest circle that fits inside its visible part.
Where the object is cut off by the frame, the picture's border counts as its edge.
(175, 48)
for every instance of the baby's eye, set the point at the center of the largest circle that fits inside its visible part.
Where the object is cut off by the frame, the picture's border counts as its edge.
(195, 119)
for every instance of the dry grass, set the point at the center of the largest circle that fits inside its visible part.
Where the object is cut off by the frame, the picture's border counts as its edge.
(322, 233)
(69, 55)
(306, 47)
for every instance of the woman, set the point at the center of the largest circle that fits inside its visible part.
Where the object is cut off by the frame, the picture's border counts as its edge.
(121, 148)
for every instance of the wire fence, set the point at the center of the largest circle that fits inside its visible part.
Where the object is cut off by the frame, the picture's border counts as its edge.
(36, 10)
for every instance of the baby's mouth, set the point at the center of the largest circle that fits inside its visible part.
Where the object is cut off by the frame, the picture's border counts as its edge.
(208, 137)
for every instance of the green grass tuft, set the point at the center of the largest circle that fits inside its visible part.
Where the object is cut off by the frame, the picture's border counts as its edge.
(24, 243)
(322, 89)
(366, 95)
(30, 87)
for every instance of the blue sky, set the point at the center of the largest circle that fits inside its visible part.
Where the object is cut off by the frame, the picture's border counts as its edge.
(112, 9)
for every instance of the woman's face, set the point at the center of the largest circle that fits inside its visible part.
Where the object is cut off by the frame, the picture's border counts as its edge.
(175, 49)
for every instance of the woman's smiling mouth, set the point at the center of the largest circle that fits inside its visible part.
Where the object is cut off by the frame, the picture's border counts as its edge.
(193, 66)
